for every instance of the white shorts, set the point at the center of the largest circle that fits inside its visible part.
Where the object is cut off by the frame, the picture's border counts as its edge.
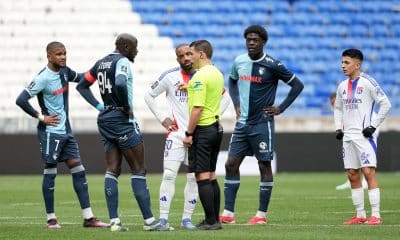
(174, 149)
(359, 153)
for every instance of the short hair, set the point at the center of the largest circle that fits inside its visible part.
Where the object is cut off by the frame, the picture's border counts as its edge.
(179, 46)
(353, 53)
(256, 29)
(332, 95)
(204, 46)
(50, 46)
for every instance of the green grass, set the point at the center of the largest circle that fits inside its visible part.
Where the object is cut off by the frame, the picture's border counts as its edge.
(303, 206)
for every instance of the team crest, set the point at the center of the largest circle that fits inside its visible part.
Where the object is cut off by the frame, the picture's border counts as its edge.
(359, 90)
(261, 70)
(263, 147)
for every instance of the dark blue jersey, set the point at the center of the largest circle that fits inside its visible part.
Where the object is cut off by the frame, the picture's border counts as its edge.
(257, 82)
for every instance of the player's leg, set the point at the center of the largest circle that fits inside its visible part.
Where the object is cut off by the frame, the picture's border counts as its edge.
(369, 163)
(262, 143)
(167, 187)
(213, 166)
(114, 161)
(238, 149)
(191, 194)
(49, 148)
(70, 154)
(352, 165)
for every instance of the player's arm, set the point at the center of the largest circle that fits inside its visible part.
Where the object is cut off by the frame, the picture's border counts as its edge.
(384, 106)
(295, 90)
(338, 114)
(23, 102)
(234, 93)
(83, 87)
(150, 98)
(225, 101)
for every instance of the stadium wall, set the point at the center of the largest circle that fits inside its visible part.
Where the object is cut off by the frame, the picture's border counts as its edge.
(296, 152)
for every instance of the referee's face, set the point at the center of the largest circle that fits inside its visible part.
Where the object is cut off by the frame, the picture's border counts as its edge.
(196, 57)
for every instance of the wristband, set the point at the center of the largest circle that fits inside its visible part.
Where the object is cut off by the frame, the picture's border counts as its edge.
(188, 134)
(40, 117)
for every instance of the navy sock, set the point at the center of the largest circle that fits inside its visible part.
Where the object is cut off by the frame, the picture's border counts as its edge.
(111, 192)
(231, 187)
(217, 198)
(80, 185)
(265, 194)
(142, 194)
(206, 194)
(48, 188)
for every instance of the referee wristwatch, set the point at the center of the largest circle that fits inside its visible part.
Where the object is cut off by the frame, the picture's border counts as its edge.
(188, 134)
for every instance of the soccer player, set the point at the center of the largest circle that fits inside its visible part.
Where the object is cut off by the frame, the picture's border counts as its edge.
(57, 143)
(119, 129)
(252, 85)
(171, 82)
(346, 185)
(356, 98)
(204, 133)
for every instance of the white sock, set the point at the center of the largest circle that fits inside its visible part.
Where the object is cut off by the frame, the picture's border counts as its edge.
(87, 213)
(115, 220)
(260, 214)
(51, 216)
(191, 193)
(357, 195)
(167, 187)
(228, 213)
(375, 199)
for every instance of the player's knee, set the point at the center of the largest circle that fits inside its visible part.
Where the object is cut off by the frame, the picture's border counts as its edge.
(76, 168)
(50, 168)
(231, 167)
(169, 175)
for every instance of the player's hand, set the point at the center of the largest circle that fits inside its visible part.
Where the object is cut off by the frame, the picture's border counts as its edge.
(237, 111)
(272, 111)
(182, 87)
(368, 131)
(187, 141)
(169, 124)
(52, 119)
(339, 134)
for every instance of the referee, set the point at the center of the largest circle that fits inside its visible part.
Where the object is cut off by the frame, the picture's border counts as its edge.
(204, 133)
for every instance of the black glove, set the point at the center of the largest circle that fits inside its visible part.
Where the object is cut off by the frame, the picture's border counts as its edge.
(368, 131)
(339, 134)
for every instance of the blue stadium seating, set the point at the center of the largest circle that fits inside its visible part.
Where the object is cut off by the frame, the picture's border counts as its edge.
(307, 36)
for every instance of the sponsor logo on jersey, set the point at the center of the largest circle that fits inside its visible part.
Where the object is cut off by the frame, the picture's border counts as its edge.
(154, 85)
(31, 85)
(364, 158)
(61, 90)
(122, 138)
(255, 79)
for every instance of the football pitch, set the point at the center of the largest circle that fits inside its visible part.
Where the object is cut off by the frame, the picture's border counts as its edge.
(303, 206)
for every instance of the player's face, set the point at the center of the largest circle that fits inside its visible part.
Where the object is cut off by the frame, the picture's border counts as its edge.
(132, 52)
(57, 57)
(184, 57)
(255, 45)
(350, 66)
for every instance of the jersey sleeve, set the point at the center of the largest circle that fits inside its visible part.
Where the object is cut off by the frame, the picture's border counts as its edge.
(234, 73)
(282, 73)
(123, 67)
(36, 86)
(159, 86)
(72, 75)
(384, 104)
(199, 90)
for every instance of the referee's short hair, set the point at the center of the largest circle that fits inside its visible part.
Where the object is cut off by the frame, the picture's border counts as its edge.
(256, 29)
(204, 46)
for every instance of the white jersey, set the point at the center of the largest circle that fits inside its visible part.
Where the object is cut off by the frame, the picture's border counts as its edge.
(177, 99)
(354, 106)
